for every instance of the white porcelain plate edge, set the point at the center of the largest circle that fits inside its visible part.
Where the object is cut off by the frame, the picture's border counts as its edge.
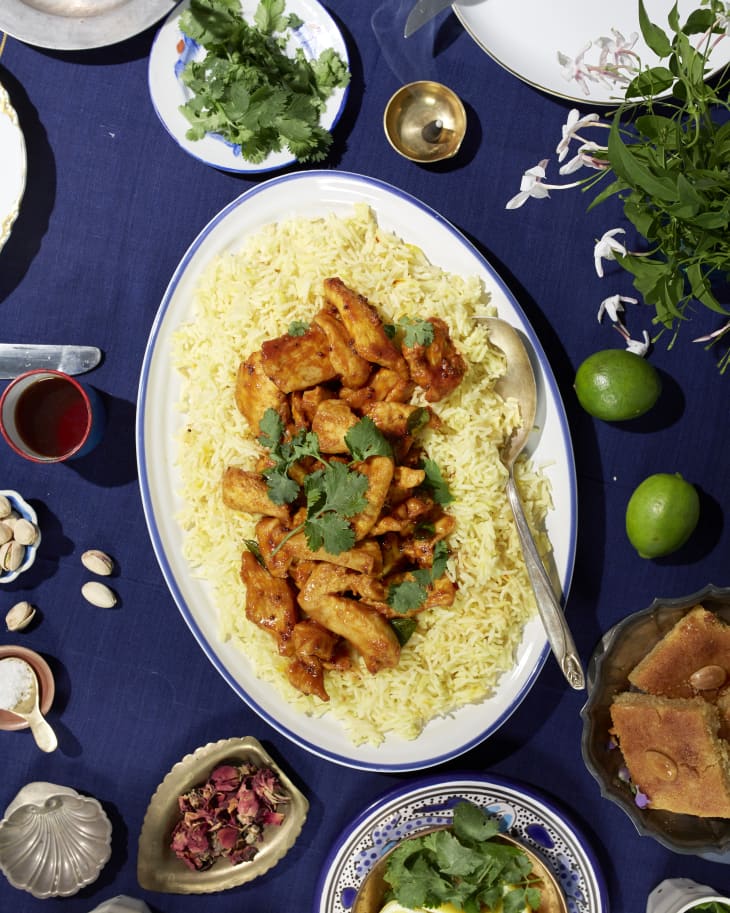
(315, 193)
(524, 813)
(318, 32)
(525, 36)
(13, 166)
(59, 25)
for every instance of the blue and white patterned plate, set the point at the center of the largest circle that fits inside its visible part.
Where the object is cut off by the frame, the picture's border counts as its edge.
(523, 813)
(172, 49)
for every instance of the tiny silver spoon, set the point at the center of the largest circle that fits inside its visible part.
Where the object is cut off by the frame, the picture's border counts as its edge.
(518, 382)
(28, 709)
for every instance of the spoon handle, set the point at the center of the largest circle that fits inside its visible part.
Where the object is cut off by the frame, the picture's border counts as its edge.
(551, 612)
(43, 734)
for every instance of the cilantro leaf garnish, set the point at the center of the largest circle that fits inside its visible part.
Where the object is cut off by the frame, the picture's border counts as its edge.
(365, 439)
(248, 90)
(416, 332)
(298, 328)
(464, 865)
(412, 592)
(436, 483)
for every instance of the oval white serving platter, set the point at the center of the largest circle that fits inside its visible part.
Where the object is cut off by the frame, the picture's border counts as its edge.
(310, 194)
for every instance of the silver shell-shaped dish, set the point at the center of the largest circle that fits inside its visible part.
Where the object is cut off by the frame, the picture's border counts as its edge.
(53, 841)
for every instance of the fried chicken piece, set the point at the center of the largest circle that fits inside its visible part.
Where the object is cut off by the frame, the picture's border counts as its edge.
(363, 627)
(406, 516)
(378, 470)
(298, 362)
(392, 418)
(304, 404)
(247, 491)
(352, 368)
(437, 367)
(331, 422)
(441, 592)
(255, 393)
(270, 602)
(332, 580)
(405, 479)
(385, 385)
(364, 327)
(315, 648)
(364, 557)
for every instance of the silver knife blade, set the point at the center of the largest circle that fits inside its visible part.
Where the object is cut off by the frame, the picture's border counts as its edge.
(15, 358)
(423, 12)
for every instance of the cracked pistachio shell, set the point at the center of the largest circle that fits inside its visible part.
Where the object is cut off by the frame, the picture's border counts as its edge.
(97, 562)
(99, 594)
(6, 533)
(19, 616)
(25, 532)
(5, 507)
(11, 555)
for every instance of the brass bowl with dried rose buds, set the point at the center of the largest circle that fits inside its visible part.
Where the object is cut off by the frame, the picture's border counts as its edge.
(615, 658)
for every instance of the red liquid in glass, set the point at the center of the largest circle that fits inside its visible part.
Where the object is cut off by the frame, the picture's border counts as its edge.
(51, 416)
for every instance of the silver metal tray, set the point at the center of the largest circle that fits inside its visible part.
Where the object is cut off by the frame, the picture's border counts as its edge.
(79, 24)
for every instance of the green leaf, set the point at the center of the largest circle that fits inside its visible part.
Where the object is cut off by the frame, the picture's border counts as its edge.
(650, 82)
(654, 36)
(404, 628)
(416, 332)
(271, 429)
(281, 489)
(628, 166)
(365, 439)
(298, 328)
(406, 596)
(331, 532)
(436, 483)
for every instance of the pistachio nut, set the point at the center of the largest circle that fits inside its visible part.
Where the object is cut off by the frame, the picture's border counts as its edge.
(11, 555)
(19, 616)
(25, 532)
(97, 562)
(5, 507)
(6, 533)
(11, 519)
(99, 594)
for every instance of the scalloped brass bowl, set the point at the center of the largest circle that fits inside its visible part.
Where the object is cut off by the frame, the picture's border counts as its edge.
(425, 122)
(159, 869)
(619, 651)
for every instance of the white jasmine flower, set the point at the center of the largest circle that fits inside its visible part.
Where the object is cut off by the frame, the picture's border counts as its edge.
(584, 158)
(716, 335)
(570, 130)
(613, 306)
(575, 70)
(606, 249)
(637, 346)
(533, 185)
(620, 50)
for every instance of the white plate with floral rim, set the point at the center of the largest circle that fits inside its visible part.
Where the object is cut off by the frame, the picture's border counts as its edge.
(311, 194)
(540, 44)
(524, 814)
(172, 50)
(12, 166)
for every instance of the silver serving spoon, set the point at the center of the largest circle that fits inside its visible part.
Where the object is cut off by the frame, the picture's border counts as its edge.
(518, 382)
(29, 709)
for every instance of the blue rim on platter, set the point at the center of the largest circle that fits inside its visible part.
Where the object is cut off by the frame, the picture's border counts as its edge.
(312, 194)
(524, 813)
(171, 50)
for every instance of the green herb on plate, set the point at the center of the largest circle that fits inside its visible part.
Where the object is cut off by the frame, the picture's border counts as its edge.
(463, 865)
(250, 89)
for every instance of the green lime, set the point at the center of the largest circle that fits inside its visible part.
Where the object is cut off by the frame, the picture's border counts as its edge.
(616, 384)
(662, 514)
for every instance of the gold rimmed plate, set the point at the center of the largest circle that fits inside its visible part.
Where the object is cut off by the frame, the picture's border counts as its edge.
(159, 869)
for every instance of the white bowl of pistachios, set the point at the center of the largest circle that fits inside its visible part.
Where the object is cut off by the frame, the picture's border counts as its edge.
(20, 535)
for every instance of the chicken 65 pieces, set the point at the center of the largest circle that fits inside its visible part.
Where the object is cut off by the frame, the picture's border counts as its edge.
(351, 543)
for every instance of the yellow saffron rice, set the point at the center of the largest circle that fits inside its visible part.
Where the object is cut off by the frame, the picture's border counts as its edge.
(457, 654)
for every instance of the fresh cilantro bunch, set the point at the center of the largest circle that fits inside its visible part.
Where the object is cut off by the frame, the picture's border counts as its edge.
(249, 90)
(670, 161)
(463, 866)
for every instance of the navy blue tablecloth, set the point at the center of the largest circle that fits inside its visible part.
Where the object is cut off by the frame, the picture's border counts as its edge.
(110, 207)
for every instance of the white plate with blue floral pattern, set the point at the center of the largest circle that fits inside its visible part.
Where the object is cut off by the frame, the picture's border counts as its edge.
(559, 50)
(524, 814)
(172, 50)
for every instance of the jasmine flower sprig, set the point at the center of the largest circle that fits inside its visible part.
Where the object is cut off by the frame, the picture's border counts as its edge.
(668, 162)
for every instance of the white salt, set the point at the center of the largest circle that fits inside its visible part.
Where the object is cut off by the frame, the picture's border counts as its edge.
(16, 682)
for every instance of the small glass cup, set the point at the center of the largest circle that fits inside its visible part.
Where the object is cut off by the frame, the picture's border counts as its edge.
(47, 416)
(682, 895)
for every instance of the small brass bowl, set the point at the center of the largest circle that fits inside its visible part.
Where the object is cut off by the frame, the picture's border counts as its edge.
(371, 895)
(425, 122)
